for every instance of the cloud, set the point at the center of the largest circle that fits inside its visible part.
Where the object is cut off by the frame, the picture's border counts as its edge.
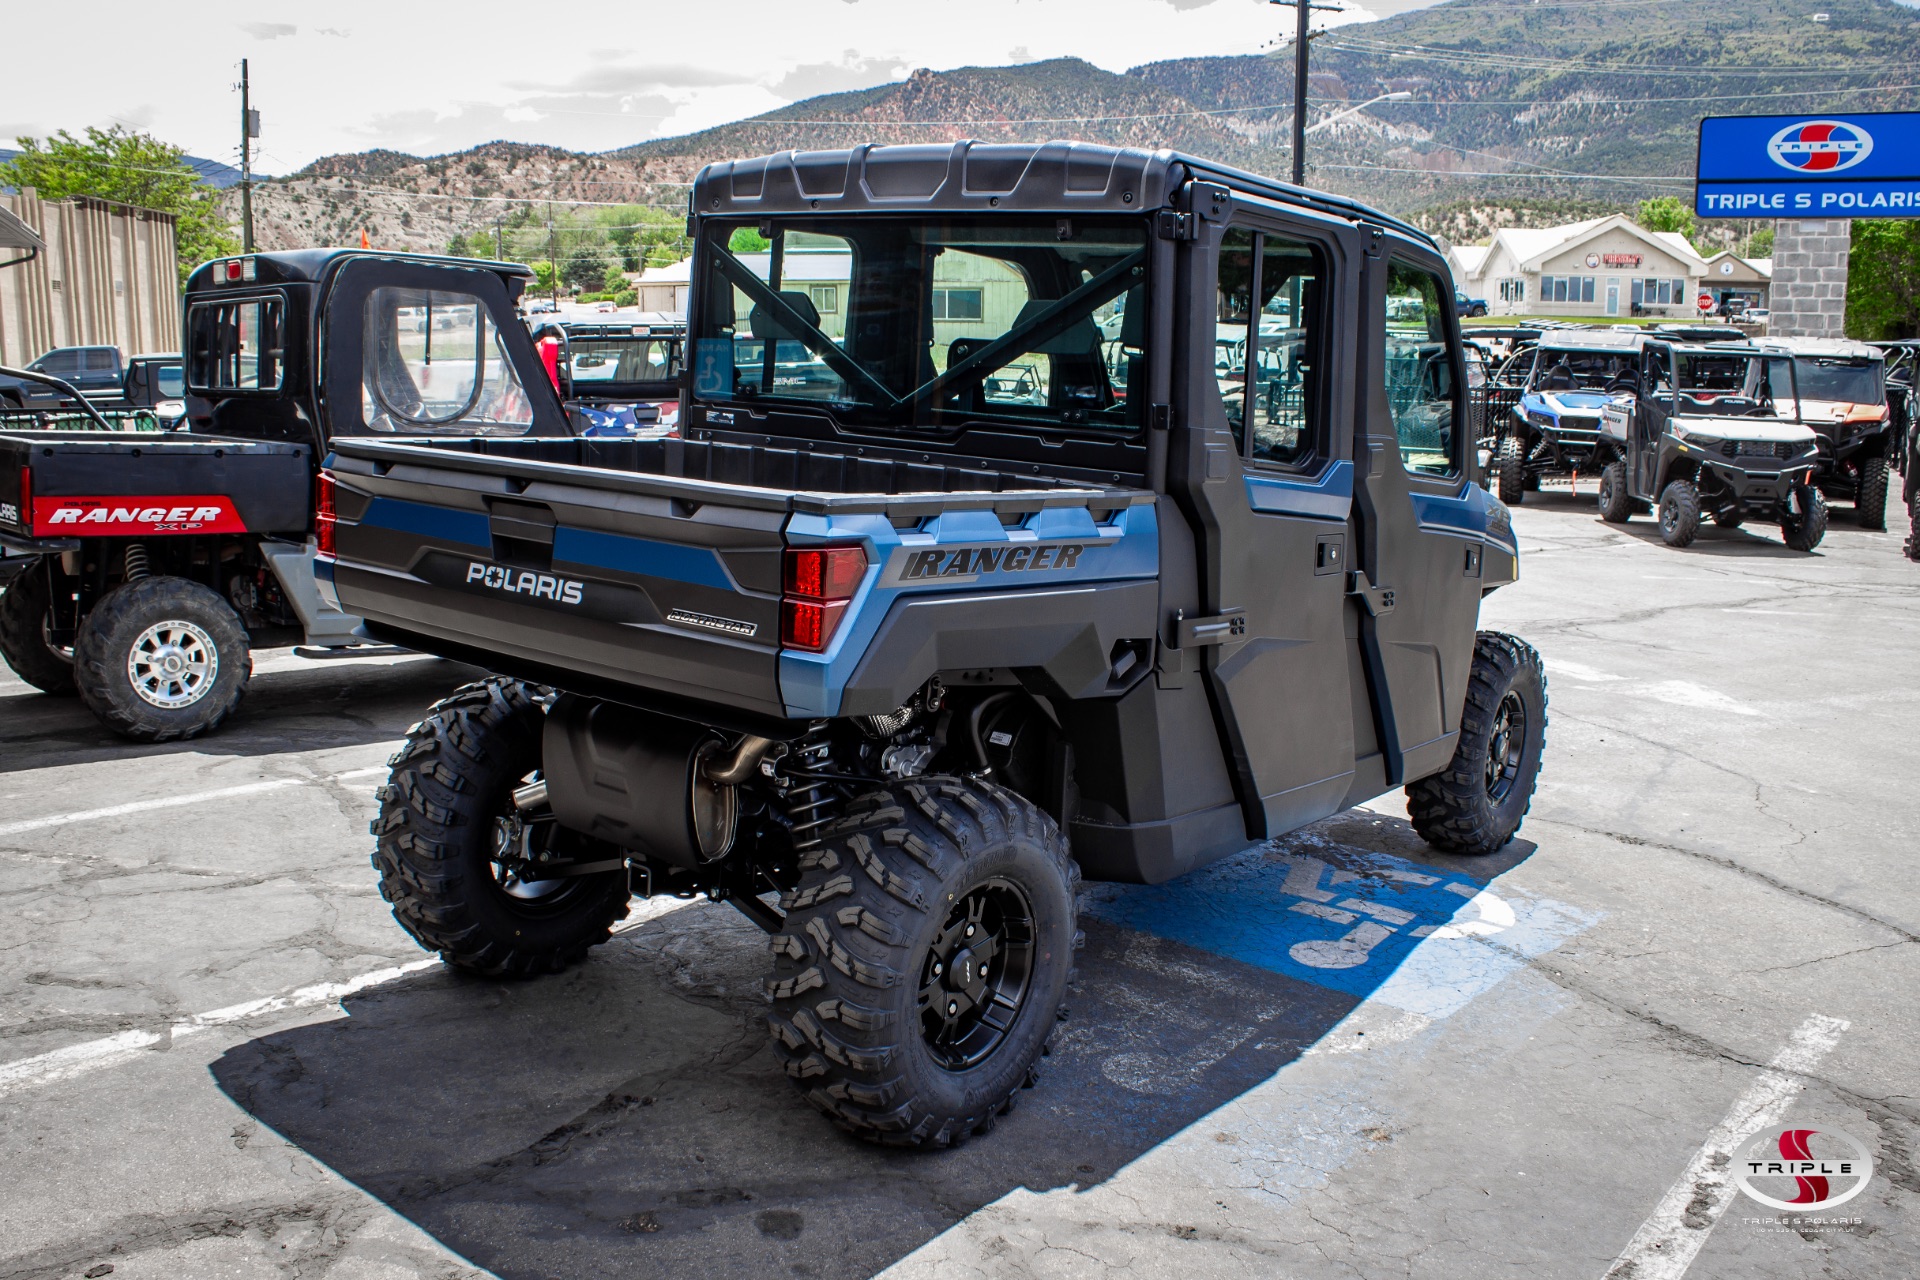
(809, 80)
(338, 33)
(269, 30)
(628, 79)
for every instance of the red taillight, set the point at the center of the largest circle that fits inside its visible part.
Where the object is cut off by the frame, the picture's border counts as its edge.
(820, 582)
(323, 514)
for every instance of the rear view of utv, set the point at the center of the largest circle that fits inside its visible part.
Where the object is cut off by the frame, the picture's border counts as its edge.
(894, 647)
(1554, 425)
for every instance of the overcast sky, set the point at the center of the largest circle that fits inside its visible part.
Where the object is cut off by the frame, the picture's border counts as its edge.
(331, 76)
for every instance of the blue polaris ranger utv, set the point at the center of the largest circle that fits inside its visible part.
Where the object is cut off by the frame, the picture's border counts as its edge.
(974, 573)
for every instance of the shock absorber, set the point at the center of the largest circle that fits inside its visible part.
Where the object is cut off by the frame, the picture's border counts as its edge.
(811, 805)
(136, 561)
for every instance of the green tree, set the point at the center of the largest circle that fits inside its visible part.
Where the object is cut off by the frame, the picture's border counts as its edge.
(615, 280)
(133, 168)
(584, 268)
(1883, 280)
(1666, 213)
(748, 240)
(1759, 244)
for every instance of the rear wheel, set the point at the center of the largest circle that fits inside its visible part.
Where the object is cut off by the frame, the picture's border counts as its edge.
(1804, 523)
(1512, 465)
(1616, 504)
(24, 629)
(924, 961)
(162, 658)
(1870, 497)
(449, 843)
(1475, 805)
(1679, 513)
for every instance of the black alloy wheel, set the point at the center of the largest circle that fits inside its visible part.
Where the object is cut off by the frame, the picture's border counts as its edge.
(976, 975)
(1505, 747)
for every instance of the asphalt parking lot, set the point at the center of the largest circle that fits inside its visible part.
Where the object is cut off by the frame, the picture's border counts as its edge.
(219, 1056)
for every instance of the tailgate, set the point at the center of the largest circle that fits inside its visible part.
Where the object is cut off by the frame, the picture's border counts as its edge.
(672, 586)
(64, 484)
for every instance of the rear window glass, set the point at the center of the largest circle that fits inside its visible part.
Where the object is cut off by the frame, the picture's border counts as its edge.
(236, 345)
(170, 381)
(100, 360)
(432, 361)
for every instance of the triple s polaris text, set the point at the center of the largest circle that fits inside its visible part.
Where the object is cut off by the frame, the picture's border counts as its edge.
(987, 576)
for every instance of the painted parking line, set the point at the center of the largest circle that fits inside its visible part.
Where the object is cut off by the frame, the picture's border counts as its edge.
(180, 801)
(1668, 1241)
(126, 1046)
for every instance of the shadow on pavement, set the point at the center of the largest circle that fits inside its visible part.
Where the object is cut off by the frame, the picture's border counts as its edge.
(627, 1118)
(315, 706)
(1750, 540)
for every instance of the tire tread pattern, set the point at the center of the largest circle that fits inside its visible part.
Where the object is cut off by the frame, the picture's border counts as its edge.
(1451, 810)
(23, 612)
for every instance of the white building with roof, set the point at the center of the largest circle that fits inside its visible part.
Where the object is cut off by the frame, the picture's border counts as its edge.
(1608, 266)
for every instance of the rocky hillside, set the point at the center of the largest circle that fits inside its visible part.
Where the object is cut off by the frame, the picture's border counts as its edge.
(1511, 97)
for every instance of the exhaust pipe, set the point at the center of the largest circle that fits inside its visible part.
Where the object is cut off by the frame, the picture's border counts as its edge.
(746, 758)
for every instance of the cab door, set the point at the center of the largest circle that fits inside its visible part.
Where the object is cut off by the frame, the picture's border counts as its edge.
(1267, 484)
(1421, 519)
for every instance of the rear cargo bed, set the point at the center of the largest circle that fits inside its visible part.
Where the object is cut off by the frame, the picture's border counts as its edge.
(653, 564)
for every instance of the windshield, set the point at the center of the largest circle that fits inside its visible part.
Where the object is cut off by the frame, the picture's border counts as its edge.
(917, 323)
(433, 362)
(624, 359)
(170, 381)
(1839, 380)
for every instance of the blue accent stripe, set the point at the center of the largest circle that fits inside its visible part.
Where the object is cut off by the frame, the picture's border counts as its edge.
(428, 521)
(642, 557)
(1328, 496)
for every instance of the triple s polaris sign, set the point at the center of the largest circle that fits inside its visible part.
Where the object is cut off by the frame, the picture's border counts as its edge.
(1861, 166)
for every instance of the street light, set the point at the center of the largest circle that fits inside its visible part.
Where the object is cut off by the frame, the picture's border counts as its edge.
(1399, 95)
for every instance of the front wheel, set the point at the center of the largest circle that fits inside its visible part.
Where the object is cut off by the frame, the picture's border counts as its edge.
(450, 843)
(25, 619)
(162, 658)
(924, 961)
(1804, 522)
(1513, 470)
(1870, 497)
(1679, 513)
(1616, 504)
(1475, 805)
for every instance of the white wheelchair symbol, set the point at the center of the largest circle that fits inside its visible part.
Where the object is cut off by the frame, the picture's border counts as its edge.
(1492, 914)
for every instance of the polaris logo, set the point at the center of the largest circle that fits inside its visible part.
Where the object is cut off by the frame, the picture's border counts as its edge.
(967, 562)
(525, 582)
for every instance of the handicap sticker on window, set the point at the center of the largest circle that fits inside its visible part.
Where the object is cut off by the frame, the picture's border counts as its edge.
(1416, 937)
(713, 367)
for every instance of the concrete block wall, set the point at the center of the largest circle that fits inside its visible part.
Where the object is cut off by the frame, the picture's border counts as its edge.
(1809, 292)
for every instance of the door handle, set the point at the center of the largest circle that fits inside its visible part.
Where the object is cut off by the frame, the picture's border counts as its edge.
(1192, 633)
(1378, 600)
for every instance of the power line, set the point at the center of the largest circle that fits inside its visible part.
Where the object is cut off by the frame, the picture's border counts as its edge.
(1523, 62)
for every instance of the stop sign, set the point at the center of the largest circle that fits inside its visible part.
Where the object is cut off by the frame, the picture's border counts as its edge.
(1704, 302)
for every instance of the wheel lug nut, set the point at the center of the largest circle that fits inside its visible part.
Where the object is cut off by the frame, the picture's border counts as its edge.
(936, 968)
(969, 931)
(953, 1006)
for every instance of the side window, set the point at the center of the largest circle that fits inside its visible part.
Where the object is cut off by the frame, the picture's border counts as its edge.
(1419, 370)
(1233, 312)
(1267, 332)
(235, 346)
(433, 362)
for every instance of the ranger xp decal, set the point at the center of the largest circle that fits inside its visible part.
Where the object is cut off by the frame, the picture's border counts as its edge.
(525, 582)
(922, 564)
(172, 513)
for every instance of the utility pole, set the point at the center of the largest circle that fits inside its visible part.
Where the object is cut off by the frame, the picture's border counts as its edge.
(553, 265)
(1304, 10)
(499, 240)
(249, 130)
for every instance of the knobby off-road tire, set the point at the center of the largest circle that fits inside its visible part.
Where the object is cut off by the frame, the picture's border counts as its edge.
(162, 658)
(23, 635)
(1679, 513)
(894, 1019)
(444, 807)
(1912, 547)
(1512, 470)
(1804, 532)
(1475, 805)
(1870, 496)
(1616, 504)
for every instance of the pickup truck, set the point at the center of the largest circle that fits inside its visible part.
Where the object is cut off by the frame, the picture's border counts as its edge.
(94, 370)
(915, 654)
(158, 561)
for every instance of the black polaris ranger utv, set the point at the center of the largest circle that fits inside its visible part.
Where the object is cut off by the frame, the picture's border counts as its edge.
(1712, 430)
(913, 643)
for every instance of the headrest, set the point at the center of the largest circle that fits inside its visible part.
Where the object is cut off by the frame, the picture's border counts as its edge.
(1081, 337)
(763, 324)
(1133, 320)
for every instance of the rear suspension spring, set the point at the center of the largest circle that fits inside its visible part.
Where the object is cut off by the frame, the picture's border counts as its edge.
(811, 805)
(136, 561)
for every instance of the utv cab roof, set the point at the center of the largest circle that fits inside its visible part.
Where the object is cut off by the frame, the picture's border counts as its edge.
(1831, 348)
(1059, 177)
(305, 266)
(1604, 341)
